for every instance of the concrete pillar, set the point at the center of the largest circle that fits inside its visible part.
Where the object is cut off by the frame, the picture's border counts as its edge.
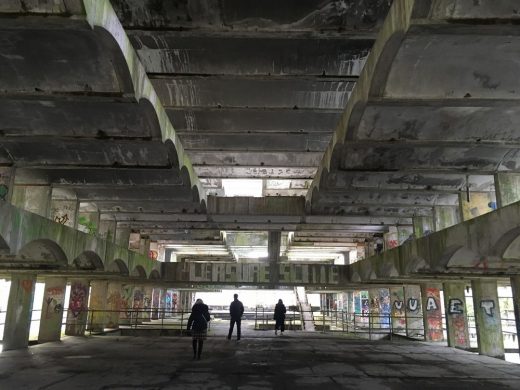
(107, 229)
(507, 188)
(113, 304)
(162, 302)
(374, 309)
(137, 305)
(52, 309)
(127, 300)
(77, 312)
(398, 308)
(515, 288)
(487, 318)
(6, 183)
(147, 303)
(123, 236)
(273, 249)
(156, 303)
(144, 245)
(64, 207)
(422, 226)
(479, 203)
(35, 199)
(456, 315)
(414, 319)
(445, 216)
(19, 311)
(432, 312)
(98, 317)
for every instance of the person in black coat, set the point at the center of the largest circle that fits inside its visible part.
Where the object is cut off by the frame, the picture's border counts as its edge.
(198, 324)
(236, 310)
(279, 316)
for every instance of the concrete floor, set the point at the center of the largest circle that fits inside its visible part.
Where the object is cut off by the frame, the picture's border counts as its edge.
(259, 361)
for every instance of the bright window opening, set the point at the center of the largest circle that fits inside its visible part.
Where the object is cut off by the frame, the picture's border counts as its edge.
(242, 187)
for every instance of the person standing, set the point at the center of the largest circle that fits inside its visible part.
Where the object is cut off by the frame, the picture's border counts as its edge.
(236, 310)
(198, 324)
(279, 317)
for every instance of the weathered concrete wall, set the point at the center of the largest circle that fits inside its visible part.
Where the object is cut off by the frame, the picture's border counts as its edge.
(60, 244)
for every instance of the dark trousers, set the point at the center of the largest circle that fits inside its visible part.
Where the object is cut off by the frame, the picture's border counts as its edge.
(232, 325)
(280, 324)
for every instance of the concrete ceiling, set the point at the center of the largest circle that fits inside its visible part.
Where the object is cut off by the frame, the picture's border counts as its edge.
(261, 90)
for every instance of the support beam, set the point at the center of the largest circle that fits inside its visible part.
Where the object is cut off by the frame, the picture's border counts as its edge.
(456, 315)
(52, 309)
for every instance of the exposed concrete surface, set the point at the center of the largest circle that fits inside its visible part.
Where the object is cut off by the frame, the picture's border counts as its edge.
(298, 360)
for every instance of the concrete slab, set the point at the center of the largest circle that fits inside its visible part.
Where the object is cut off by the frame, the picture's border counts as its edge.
(259, 361)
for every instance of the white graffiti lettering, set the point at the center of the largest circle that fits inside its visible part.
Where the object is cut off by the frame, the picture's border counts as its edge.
(488, 306)
(431, 304)
(398, 305)
(455, 306)
(413, 303)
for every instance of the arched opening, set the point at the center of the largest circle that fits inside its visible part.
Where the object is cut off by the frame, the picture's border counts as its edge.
(155, 275)
(43, 250)
(88, 260)
(118, 266)
(139, 272)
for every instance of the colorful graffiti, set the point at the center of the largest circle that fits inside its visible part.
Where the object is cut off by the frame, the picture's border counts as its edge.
(78, 299)
(154, 255)
(61, 219)
(54, 301)
(398, 309)
(434, 314)
(458, 322)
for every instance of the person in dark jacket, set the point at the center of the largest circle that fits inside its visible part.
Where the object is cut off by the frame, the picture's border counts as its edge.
(279, 316)
(236, 310)
(198, 324)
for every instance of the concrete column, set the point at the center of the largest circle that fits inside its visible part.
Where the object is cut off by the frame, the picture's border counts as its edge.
(515, 288)
(64, 207)
(479, 203)
(19, 311)
(123, 236)
(98, 317)
(52, 309)
(273, 249)
(507, 188)
(414, 319)
(78, 310)
(107, 229)
(137, 305)
(127, 300)
(147, 303)
(162, 302)
(156, 303)
(445, 216)
(374, 309)
(35, 199)
(144, 246)
(398, 308)
(432, 312)
(456, 315)
(113, 304)
(487, 318)
(6, 183)
(422, 226)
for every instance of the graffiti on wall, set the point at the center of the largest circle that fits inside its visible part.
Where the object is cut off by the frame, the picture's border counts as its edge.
(253, 273)
(458, 321)
(61, 219)
(398, 310)
(434, 314)
(488, 306)
(54, 297)
(4, 190)
(78, 299)
(127, 294)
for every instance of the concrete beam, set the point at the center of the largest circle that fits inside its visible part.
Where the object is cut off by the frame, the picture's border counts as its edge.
(253, 158)
(77, 117)
(85, 177)
(249, 15)
(261, 92)
(247, 120)
(68, 152)
(249, 54)
(251, 172)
